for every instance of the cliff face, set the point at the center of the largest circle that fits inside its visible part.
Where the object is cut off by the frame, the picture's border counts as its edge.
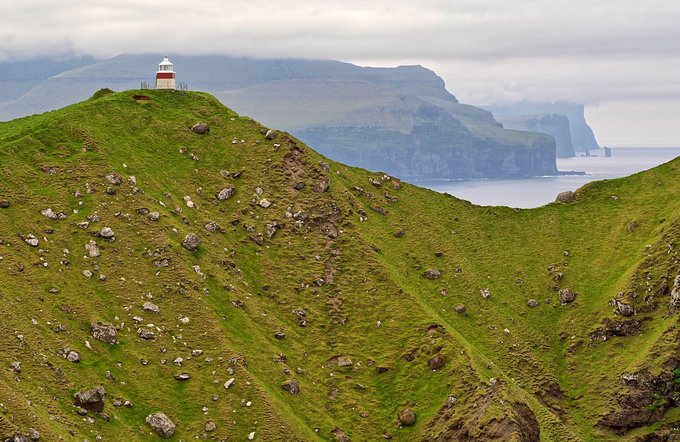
(552, 124)
(582, 136)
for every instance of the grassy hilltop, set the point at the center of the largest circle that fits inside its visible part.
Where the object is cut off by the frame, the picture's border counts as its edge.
(346, 284)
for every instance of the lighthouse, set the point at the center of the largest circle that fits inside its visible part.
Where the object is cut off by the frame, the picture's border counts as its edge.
(165, 76)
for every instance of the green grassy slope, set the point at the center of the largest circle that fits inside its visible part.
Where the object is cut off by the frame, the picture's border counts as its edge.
(352, 258)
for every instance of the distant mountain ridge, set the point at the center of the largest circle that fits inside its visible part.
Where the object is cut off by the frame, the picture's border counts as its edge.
(399, 120)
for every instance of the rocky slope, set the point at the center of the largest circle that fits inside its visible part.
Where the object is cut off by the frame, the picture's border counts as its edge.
(168, 279)
(404, 114)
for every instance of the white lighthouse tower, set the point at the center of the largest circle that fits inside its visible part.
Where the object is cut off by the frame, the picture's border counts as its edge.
(165, 76)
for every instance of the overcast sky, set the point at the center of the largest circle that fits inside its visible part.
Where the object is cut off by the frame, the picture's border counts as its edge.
(619, 57)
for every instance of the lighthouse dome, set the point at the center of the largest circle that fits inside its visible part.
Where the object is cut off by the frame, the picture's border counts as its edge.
(165, 65)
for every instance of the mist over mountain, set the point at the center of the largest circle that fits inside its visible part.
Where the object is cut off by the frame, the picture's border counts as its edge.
(400, 120)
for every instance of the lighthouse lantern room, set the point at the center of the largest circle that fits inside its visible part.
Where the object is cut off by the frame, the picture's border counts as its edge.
(165, 76)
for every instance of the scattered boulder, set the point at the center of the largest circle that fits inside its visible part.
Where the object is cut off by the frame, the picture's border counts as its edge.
(146, 333)
(279, 335)
(436, 362)
(566, 197)
(229, 383)
(566, 296)
(459, 308)
(151, 307)
(107, 232)
(154, 216)
(265, 203)
(225, 193)
(92, 249)
(15, 366)
(340, 436)
(90, 400)
(270, 135)
(486, 294)
(191, 242)
(71, 355)
(324, 166)
(322, 185)
(212, 227)
(4, 204)
(623, 308)
(210, 426)
(291, 386)
(532, 303)
(114, 179)
(406, 417)
(432, 274)
(104, 332)
(161, 424)
(182, 377)
(51, 214)
(344, 361)
(675, 294)
(31, 240)
(200, 128)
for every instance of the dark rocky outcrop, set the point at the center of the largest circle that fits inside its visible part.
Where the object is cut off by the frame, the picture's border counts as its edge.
(90, 400)
(200, 128)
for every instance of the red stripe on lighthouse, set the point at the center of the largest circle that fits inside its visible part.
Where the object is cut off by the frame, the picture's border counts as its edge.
(160, 75)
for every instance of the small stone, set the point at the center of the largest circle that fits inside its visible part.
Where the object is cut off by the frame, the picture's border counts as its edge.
(92, 249)
(270, 135)
(16, 366)
(406, 417)
(91, 400)
(532, 303)
(486, 294)
(200, 128)
(73, 356)
(182, 376)
(432, 274)
(87, 273)
(161, 424)
(31, 240)
(107, 232)
(4, 204)
(459, 308)
(191, 242)
(151, 307)
(114, 179)
(265, 203)
(154, 216)
(251, 435)
(566, 296)
(210, 426)
(225, 193)
(279, 335)
(436, 362)
(566, 197)
(291, 386)
(146, 334)
(229, 383)
(104, 333)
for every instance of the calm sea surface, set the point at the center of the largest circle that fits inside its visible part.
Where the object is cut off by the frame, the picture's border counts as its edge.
(534, 192)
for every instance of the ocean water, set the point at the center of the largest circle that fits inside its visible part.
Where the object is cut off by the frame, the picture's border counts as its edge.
(535, 192)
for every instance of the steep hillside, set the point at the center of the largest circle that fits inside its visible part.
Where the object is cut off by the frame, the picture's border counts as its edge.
(247, 287)
(552, 124)
(401, 115)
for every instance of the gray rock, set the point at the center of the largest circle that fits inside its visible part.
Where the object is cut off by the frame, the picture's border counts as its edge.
(72, 356)
(151, 307)
(344, 361)
(229, 383)
(566, 197)
(91, 400)
(432, 274)
(675, 294)
(51, 214)
(182, 377)
(406, 417)
(291, 386)
(486, 294)
(340, 435)
(210, 426)
(4, 204)
(436, 362)
(212, 227)
(532, 303)
(104, 332)
(191, 242)
(566, 296)
(324, 166)
(225, 193)
(154, 216)
(146, 333)
(18, 437)
(15, 366)
(92, 249)
(161, 424)
(322, 185)
(31, 240)
(200, 128)
(87, 273)
(270, 135)
(107, 232)
(114, 179)
(265, 203)
(623, 309)
(459, 308)
(132, 180)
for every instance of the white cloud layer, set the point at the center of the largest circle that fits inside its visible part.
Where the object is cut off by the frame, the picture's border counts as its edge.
(488, 51)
